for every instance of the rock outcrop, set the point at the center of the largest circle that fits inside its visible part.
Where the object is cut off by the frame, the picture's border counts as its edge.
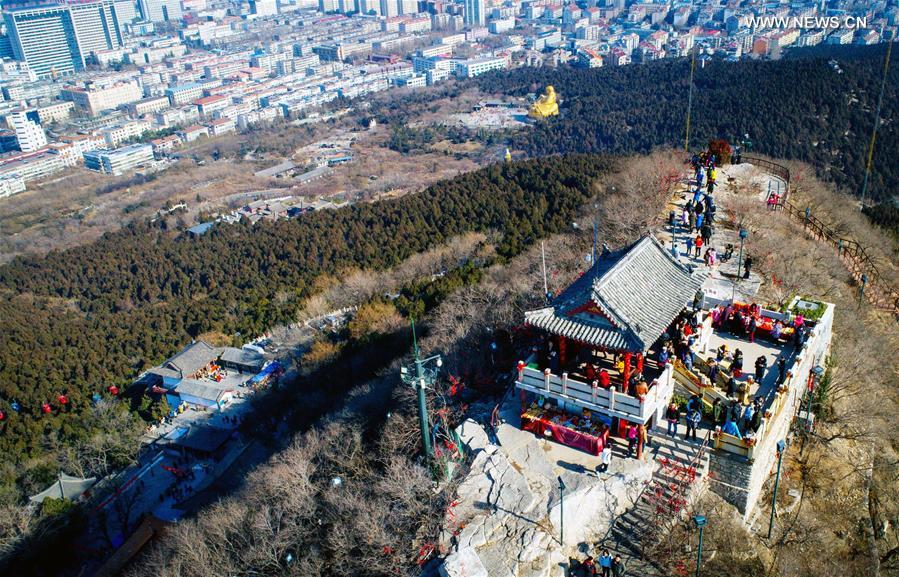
(507, 521)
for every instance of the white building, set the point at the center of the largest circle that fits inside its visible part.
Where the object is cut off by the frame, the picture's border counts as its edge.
(409, 7)
(328, 6)
(222, 126)
(263, 8)
(55, 112)
(119, 161)
(81, 143)
(501, 25)
(96, 99)
(30, 166)
(11, 184)
(29, 133)
(184, 93)
(115, 135)
(478, 66)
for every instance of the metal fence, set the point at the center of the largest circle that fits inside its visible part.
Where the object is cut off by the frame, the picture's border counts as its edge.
(877, 289)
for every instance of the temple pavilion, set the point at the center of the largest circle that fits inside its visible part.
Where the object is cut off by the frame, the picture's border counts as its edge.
(607, 321)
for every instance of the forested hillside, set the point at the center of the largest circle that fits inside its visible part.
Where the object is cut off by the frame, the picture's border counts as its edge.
(798, 108)
(77, 321)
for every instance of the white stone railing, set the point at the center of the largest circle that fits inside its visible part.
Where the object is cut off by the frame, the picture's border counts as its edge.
(595, 398)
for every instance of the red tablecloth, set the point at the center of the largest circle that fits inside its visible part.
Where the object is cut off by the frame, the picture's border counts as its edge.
(564, 435)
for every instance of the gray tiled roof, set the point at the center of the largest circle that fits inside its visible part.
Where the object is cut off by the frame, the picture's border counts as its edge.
(206, 439)
(549, 320)
(201, 390)
(640, 289)
(243, 357)
(192, 358)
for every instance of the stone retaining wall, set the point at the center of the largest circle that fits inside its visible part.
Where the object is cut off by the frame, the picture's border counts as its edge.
(739, 480)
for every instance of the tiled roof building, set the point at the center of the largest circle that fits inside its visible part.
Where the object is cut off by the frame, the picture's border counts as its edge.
(624, 302)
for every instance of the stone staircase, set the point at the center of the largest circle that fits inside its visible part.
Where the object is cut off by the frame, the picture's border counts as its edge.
(680, 473)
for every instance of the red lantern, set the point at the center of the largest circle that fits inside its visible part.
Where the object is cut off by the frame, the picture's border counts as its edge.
(113, 390)
(45, 408)
(63, 400)
(2, 416)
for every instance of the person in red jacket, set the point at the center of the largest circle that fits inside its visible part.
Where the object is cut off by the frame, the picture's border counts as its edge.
(604, 379)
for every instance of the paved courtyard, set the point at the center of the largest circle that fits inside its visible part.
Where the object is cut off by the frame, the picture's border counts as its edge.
(751, 351)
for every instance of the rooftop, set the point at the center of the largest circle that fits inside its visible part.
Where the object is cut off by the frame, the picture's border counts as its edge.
(625, 301)
(192, 358)
(207, 390)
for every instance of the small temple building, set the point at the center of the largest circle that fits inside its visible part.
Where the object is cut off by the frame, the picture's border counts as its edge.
(595, 336)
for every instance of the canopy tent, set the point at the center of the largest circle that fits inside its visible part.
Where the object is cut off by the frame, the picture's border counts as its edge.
(65, 487)
(265, 373)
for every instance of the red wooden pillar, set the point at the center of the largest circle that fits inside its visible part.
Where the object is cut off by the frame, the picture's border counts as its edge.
(640, 363)
(627, 372)
(561, 352)
(640, 430)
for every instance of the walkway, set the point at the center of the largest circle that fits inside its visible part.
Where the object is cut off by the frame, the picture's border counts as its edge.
(674, 484)
(724, 282)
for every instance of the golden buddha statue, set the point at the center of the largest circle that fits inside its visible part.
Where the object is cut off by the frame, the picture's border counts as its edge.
(547, 105)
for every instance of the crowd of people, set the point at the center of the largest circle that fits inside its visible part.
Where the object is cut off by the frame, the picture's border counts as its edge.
(679, 342)
(697, 218)
(746, 321)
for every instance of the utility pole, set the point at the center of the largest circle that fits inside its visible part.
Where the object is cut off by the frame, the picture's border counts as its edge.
(543, 258)
(781, 449)
(743, 235)
(420, 379)
(561, 511)
(690, 100)
(883, 83)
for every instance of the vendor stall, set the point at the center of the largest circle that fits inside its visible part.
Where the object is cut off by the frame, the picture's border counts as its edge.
(587, 432)
(736, 318)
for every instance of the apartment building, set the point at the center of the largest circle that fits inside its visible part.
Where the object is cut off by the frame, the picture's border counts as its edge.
(95, 99)
(119, 161)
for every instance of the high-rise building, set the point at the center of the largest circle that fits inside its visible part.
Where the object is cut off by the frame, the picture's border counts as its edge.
(55, 39)
(370, 7)
(389, 8)
(28, 132)
(408, 6)
(475, 13)
(45, 37)
(125, 11)
(328, 6)
(97, 26)
(263, 8)
(161, 10)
